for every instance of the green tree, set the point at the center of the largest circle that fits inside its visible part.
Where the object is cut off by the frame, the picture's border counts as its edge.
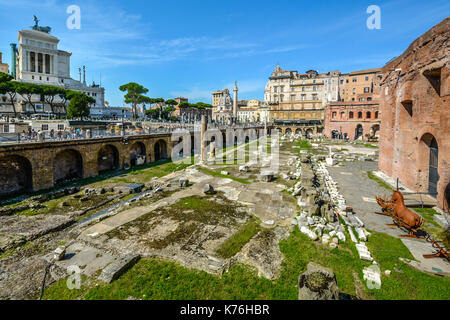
(171, 102)
(152, 113)
(49, 94)
(184, 105)
(159, 101)
(79, 105)
(9, 88)
(167, 112)
(27, 91)
(135, 95)
(4, 77)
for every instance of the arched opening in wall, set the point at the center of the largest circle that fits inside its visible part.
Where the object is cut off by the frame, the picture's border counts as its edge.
(160, 149)
(288, 131)
(67, 165)
(298, 131)
(428, 156)
(433, 159)
(108, 158)
(15, 176)
(137, 154)
(235, 141)
(358, 131)
(247, 139)
(309, 133)
(280, 130)
(375, 130)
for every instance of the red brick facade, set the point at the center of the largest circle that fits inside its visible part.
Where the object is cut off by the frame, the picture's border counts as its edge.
(352, 119)
(415, 115)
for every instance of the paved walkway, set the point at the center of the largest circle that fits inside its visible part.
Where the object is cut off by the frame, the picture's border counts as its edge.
(360, 192)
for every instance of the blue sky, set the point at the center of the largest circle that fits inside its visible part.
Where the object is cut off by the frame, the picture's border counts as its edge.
(191, 48)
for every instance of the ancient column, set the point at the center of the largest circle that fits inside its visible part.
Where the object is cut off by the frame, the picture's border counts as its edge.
(235, 101)
(203, 140)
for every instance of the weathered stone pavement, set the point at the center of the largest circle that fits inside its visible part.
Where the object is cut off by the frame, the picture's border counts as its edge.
(360, 193)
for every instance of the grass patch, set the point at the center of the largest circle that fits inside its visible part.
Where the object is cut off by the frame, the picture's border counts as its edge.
(431, 225)
(409, 283)
(380, 182)
(428, 214)
(219, 175)
(303, 144)
(368, 145)
(152, 279)
(159, 279)
(235, 243)
(60, 291)
(145, 173)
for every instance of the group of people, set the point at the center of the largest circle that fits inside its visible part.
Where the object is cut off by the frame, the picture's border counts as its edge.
(33, 135)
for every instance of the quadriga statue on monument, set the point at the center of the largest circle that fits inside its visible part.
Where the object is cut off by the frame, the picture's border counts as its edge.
(38, 28)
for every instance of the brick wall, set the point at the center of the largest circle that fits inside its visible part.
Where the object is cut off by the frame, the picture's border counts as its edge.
(415, 108)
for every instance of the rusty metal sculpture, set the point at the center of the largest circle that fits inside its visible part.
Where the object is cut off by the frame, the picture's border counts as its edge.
(402, 216)
(405, 218)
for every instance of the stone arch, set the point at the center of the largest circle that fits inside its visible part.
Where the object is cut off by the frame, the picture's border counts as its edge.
(288, 131)
(375, 128)
(16, 175)
(308, 133)
(279, 130)
(137, 153)
(67, 165)
(160, 149)
(108, 158)
(359, 131)
(428, 162)
(298, 131)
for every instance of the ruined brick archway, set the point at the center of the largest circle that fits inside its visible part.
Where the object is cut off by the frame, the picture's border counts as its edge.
(137, 150)
(108, 158)
(15, 175)
(67, 165)
(160, 149)
(428, 163)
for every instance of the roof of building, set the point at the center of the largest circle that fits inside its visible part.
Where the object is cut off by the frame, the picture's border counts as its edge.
(375, 70)
(38, 34)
